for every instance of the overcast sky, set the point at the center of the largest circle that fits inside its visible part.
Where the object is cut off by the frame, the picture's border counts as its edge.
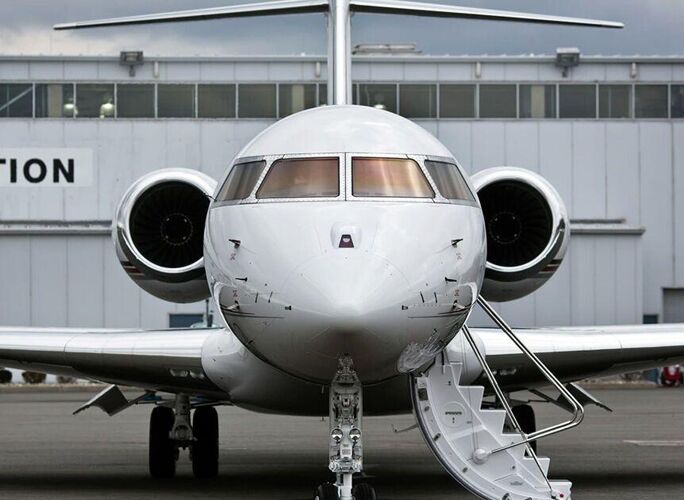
(653, 27)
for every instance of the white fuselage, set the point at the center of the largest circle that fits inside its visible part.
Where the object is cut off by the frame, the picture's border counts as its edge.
(299, 301)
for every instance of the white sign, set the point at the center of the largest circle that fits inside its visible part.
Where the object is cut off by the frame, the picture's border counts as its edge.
(38, 167)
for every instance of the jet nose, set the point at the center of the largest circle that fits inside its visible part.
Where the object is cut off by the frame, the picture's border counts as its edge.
(349, 304)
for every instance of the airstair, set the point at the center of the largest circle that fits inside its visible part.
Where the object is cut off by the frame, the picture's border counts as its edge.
(484, 448)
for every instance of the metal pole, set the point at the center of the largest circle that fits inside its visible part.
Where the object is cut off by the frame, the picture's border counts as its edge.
(339, 52)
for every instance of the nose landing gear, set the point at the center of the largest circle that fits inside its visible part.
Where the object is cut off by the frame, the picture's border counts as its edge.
(346, 449)
(171, 430)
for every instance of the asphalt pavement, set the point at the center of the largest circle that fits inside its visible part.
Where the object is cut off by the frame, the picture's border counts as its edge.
(637, 452)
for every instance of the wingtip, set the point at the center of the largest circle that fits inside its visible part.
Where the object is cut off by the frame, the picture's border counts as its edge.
(64, 26)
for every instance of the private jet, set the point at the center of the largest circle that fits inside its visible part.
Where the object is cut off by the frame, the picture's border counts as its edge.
(345, 249)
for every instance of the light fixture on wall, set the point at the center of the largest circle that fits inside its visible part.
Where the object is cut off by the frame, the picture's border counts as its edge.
(385, 48)
(567, 58)
(131, 58)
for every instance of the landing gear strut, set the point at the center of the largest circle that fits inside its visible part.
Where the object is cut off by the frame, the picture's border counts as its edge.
(346, 448)
(170, 430)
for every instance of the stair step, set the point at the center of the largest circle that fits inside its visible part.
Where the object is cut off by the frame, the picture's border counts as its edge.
(493, 419)
(562, 487)
(463, 434)
(473, 394)
(543, 461)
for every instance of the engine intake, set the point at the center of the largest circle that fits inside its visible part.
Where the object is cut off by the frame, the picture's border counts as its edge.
(527, 231)
(159, 233)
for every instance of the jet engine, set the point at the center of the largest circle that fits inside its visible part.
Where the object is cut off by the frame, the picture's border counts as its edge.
(159, 233)
(527, 231)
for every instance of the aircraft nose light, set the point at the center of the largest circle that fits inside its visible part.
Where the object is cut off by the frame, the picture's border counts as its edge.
(346, 241)
(346, 236)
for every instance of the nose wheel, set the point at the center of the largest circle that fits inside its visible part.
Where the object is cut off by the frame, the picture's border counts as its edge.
(364, 491)
(326, 491)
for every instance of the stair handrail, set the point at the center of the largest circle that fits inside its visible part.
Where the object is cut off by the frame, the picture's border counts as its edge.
(507, 406)
(577, 409)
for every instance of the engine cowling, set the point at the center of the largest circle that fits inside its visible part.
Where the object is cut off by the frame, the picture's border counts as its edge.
(528, 231)
(159, 233)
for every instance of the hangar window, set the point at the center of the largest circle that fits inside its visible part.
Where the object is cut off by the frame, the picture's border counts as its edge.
(186, 320)
(498, 101)
(449, 181)
(615, 101)
(216, 101)
(257, 100)
(294, 97)
(677, 101)
(651, 101)
(16, 100)
(389, 177)
(241, 181)
(418, 101)
(135, 100)
(175, 101)
(95, 100)
(457, 101)
(537, 101)
(55, 100)
(301, 178)
(577, 101)
(380, 96)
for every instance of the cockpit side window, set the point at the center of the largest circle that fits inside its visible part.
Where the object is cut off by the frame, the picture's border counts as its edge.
(449, 181)
(302, 178)
(389, 177)
(241, 181)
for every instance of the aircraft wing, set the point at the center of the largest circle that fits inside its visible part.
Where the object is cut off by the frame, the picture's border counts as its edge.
(171, 360)
(164, 360)
(575, 353)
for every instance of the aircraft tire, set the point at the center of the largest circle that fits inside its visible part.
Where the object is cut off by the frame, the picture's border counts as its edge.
(326, 491)
(205, 446)
(524, 414)
(364, 491)
(5, 376)
(162, 452)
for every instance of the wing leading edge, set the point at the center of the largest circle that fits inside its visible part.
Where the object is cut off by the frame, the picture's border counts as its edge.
(575, 353)
(164, 360)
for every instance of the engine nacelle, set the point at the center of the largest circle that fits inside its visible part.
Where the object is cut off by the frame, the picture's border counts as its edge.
(527, 231)
(159, 233)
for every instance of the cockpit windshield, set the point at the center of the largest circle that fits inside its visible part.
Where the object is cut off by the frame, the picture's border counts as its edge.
(302, 178)
(449, 180)
(241, 181)
(389, 177)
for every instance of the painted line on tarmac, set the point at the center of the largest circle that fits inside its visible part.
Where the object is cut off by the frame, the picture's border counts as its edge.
(654, 443)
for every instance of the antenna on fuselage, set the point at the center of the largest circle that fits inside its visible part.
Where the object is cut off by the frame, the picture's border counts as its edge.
(339, 24)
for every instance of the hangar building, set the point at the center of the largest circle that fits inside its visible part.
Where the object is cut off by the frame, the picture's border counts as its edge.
(609, 134)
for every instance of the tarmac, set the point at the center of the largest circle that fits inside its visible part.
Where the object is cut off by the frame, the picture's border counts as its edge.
(637, 452)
